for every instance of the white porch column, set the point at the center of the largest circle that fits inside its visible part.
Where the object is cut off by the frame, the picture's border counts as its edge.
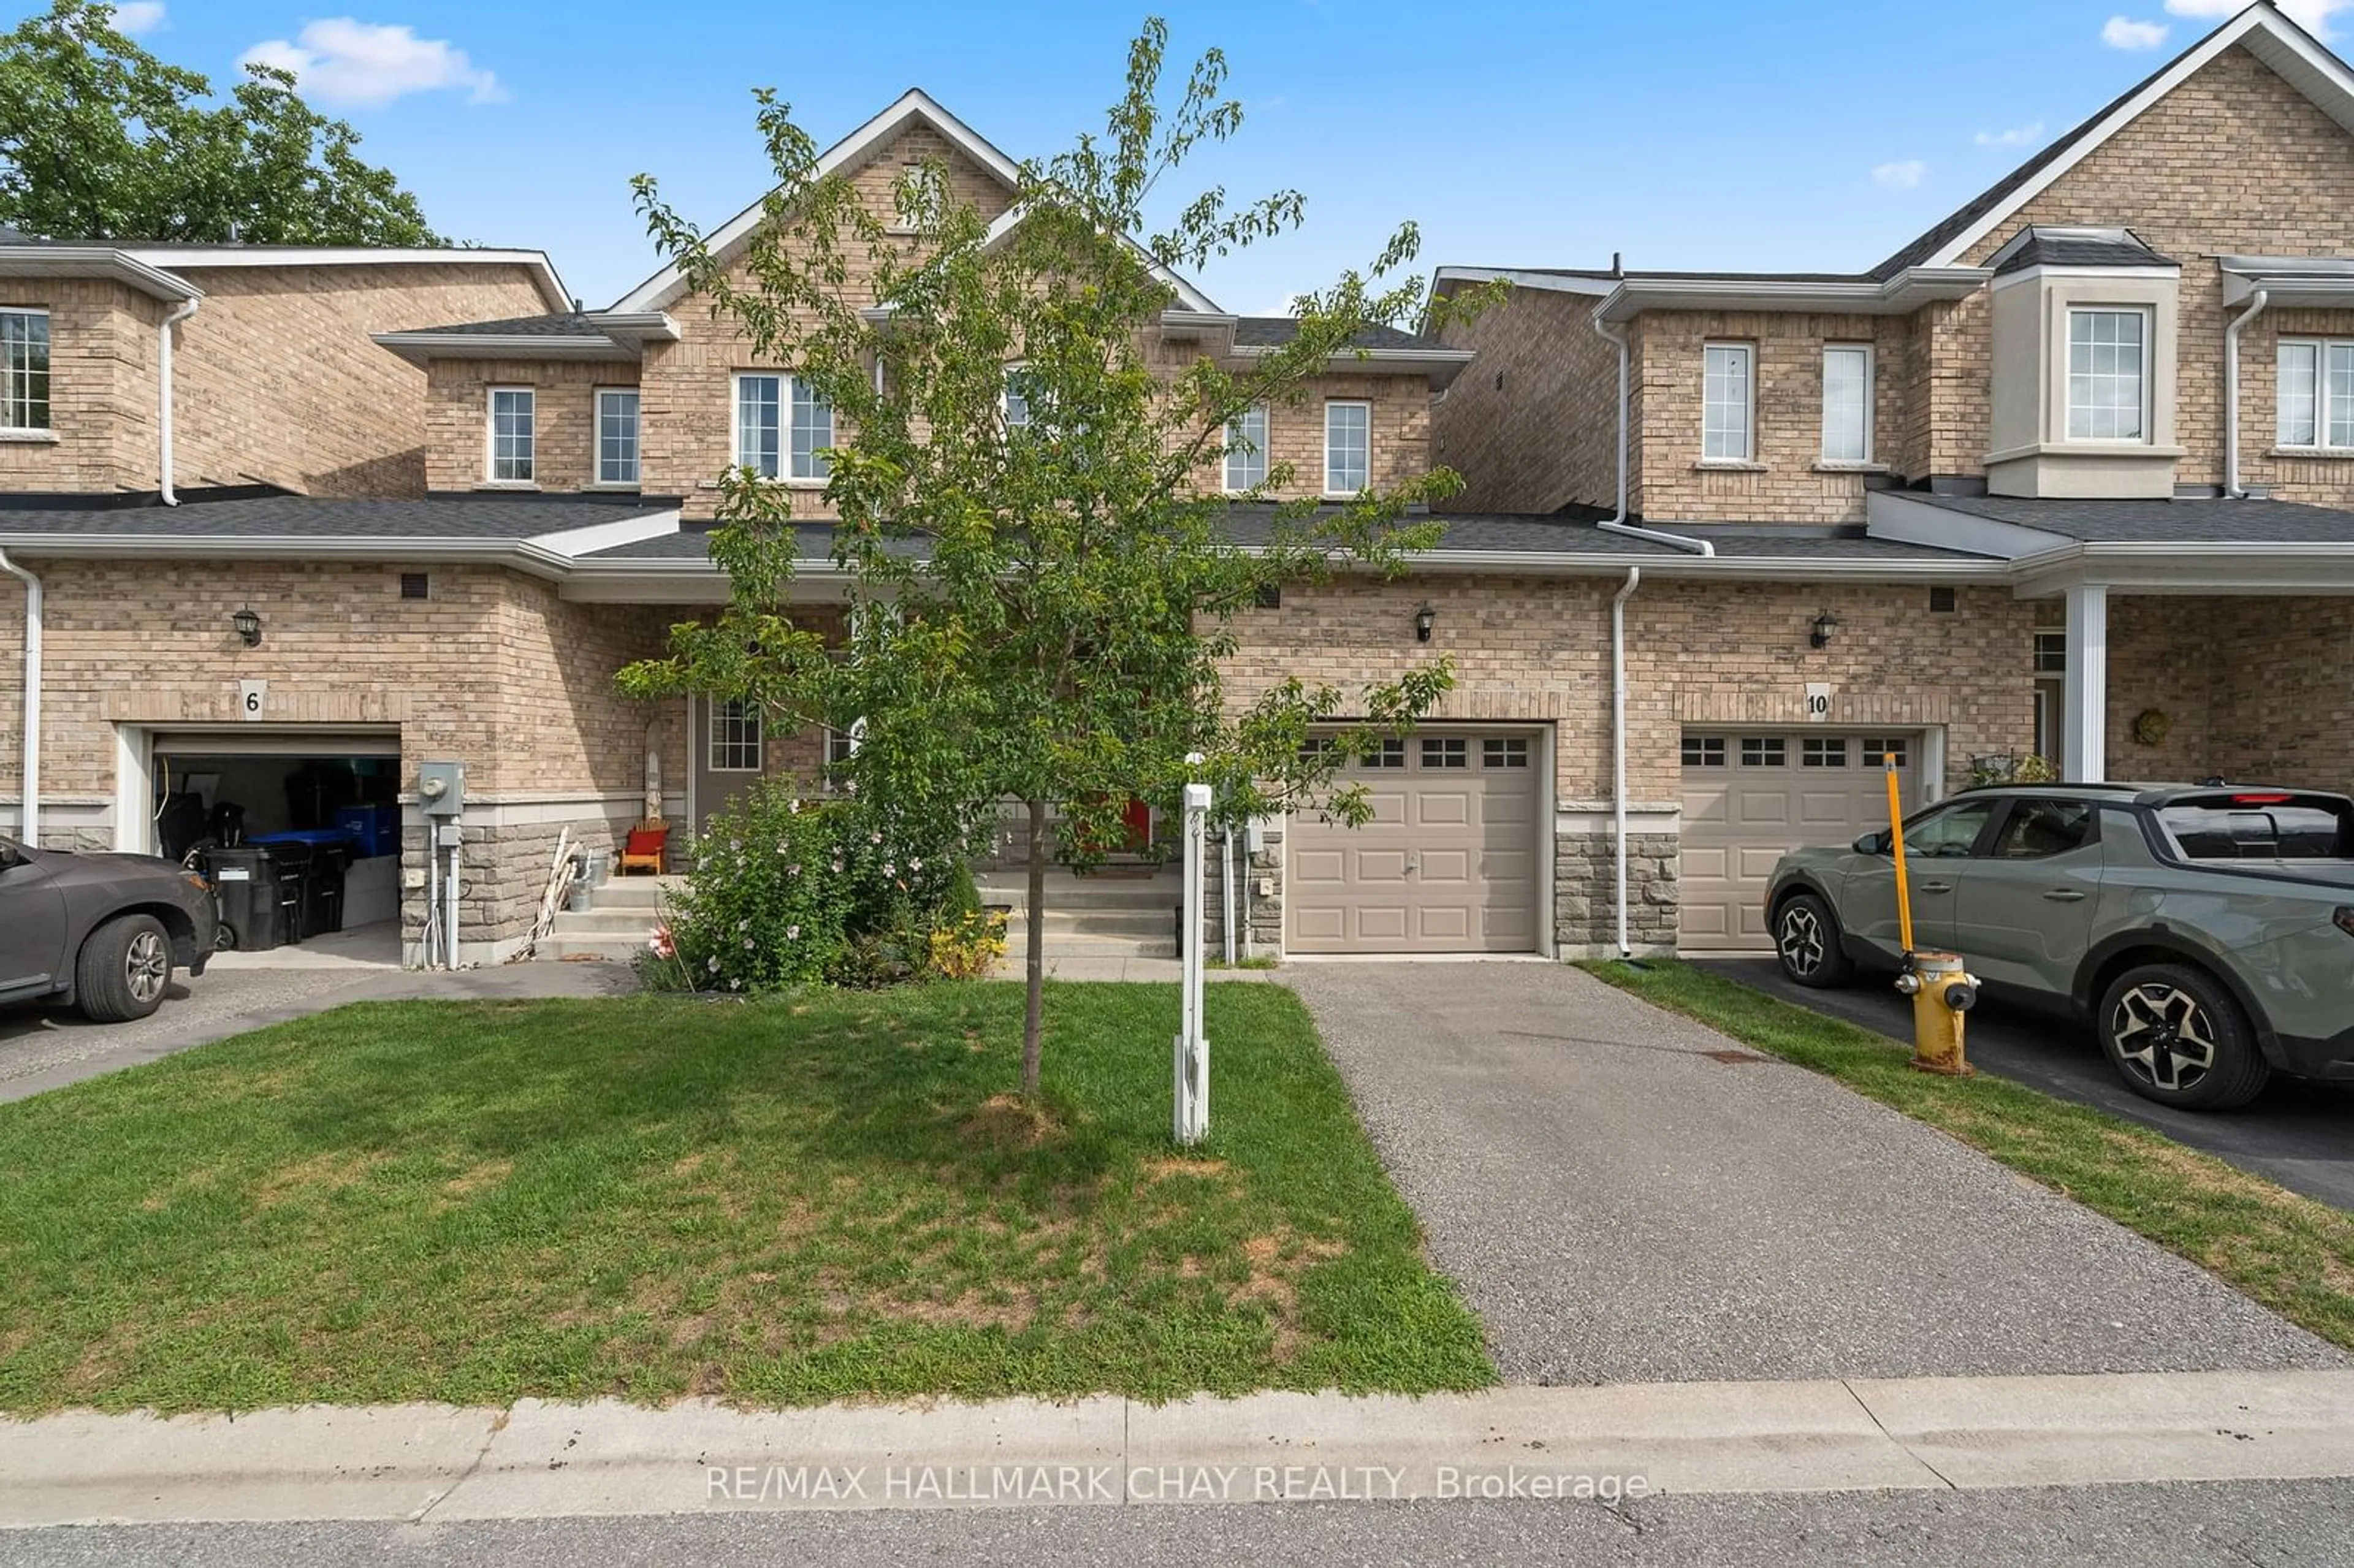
(2084, 755)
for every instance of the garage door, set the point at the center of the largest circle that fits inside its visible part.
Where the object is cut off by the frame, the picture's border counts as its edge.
(1449, 865)
(1749, 798)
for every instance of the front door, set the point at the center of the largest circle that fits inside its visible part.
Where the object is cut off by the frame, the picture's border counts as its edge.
(729, 746)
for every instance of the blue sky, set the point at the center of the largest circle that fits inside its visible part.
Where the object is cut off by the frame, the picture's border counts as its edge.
(1683, 133)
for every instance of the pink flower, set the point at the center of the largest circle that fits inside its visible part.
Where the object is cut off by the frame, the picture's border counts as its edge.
(661, 944)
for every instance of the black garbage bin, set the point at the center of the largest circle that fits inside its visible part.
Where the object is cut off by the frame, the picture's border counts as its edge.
(322, 889)
(246, 882)
(290, 861)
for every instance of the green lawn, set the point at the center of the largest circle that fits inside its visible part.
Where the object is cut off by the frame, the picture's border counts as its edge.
(772, 1202)
(2290, 1253)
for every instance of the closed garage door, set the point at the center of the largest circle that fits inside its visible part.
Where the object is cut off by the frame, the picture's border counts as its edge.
(1747, 798)
(1449, 865)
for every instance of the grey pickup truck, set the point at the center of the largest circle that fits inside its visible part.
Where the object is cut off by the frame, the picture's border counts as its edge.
(99, 931)
(2206, 933)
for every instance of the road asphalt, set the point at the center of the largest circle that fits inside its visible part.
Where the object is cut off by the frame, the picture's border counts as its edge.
(1626, 1196)
(2296, 1133)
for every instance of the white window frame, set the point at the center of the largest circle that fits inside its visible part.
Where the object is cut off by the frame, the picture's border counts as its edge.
(1006, 395)
(2145, 372)
(1708, 403)
(1871, 397)
(17, 383)
(2329, 405)
(636, 441)
(1246, 470)
(1337, 491)
(750, 731)
(921, 179)
(788, 387)
(529, 478)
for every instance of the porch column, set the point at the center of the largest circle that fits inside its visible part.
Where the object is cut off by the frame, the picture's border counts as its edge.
(2084, 719)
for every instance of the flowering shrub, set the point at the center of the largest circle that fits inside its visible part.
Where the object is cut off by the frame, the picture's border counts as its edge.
(785, 889)
(968, 946)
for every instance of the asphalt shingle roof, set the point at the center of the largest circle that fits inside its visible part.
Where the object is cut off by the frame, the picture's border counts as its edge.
(1274, 332)
(305, 516)
(564, 323)
(2176, 522)
(2045, 248)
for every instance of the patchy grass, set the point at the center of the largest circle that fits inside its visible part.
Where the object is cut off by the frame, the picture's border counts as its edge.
(2292, 1254)
(772, 1202)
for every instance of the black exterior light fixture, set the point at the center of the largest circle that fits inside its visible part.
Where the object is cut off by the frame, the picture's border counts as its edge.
(1424, 617)
(249, 626)
(1825, 624)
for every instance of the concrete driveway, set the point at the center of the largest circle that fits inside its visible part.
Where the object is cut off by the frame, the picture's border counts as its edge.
(2298, 1134)
(1626, 1196)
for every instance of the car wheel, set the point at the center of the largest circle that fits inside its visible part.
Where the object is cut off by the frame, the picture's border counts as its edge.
(124, 969)
(2177, 1036)
(1807, 941)
(224, 937)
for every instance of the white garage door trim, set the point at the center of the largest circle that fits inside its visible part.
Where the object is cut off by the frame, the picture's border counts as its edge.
(1804, 798)
(1494, 922)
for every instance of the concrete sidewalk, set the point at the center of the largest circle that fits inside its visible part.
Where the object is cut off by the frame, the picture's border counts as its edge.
(439, 1463)
(1626, 1196)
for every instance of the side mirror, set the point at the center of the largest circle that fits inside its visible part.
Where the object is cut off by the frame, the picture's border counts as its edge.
(1871, 843)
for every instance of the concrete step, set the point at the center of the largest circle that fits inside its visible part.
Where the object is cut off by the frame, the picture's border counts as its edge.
(1089, 893)
(636, 892)
(603, 922)
(1097, 923)
(1077, 947)
(616, 949)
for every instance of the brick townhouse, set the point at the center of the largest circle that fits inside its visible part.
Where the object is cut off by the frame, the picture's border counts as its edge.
(1729, 536)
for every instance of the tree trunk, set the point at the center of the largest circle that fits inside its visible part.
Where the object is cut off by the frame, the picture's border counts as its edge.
(1035, 964)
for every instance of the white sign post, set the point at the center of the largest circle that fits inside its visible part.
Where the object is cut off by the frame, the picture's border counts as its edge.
(1191, 1066)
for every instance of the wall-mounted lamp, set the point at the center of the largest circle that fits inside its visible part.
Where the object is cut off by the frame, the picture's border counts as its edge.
(249, 626)
(1424, 618)
(1825, 624)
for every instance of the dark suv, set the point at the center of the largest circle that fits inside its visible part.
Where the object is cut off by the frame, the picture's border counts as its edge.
(2206, 934)
(99, 931)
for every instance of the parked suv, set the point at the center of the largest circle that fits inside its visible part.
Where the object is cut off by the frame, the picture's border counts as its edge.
(2206, 933)
(98, 931)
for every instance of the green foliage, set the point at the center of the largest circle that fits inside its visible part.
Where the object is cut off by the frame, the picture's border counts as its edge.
(788, 892)
(100, 140)
(2007, 768)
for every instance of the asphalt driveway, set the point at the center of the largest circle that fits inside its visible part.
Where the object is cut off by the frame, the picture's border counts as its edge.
(2298, 1134)
(1626, 1196)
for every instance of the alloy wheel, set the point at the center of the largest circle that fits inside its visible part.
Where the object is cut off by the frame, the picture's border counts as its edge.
(146, 965)
(2163, 1036)
(1801, 941)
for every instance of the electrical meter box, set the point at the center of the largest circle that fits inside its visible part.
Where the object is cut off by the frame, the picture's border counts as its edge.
(440, 787)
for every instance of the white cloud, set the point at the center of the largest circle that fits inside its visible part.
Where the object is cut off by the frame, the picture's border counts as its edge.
(2125, 33)
(138, 15)
(1899, 176)
(2017, 136)
(2311, 14)
(348, 63)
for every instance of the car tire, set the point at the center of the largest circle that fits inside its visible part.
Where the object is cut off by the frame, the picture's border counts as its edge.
(2177, 1036)
(1807, 942)
(124, 969)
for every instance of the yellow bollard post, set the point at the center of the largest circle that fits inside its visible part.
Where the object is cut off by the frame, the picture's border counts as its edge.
(1942, 991)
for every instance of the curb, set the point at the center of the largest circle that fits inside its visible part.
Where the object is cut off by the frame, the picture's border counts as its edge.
(607, 1459)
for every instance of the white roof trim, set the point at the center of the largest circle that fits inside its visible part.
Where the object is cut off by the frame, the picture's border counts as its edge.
(2279, 43)
(668, 284)
(1597, 287)
(1189, 298)
(94, 261)
(422, 347)
(1901, 295)
(171, 258)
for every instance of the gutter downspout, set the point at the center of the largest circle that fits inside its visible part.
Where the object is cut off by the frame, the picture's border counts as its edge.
(29, 814)
(179, 312)
(1618, 524)
(2232, 485)
(1619, 737)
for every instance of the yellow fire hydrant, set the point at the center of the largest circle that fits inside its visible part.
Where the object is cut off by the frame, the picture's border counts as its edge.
(1941, 989)
(1941, 992)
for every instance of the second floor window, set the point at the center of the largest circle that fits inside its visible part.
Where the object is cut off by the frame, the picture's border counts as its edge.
(782, 428)
(513, 435)
(1246, 450)
(2317, 394)
(24, 370)
(617, 436)
(1847, 404)
(2108, 386)
(1348, 447)
(1726, 403)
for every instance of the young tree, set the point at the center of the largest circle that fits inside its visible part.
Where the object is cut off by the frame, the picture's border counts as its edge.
(1041, 586)
(100, 140)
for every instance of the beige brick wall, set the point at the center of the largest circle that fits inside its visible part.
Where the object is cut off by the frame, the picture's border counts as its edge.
(1785, 480)
(2255, 689)
(1697, 653)
(457, 419)
(1532, 425)
(102, 389)
(278, 383)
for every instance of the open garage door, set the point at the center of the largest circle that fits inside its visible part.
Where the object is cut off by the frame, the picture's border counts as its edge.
(1449, 865)
(1748, 799)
